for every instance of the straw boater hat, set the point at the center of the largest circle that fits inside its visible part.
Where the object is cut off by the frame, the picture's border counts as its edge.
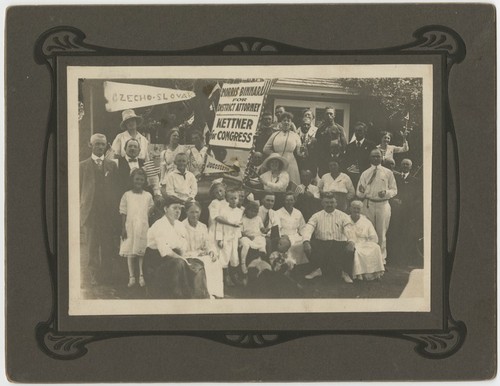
(129, 114)
(283, 161)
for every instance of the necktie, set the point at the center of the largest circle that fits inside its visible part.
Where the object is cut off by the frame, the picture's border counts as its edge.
(98, 161)
(358, 144)
(373, 176)
(307, 187)
(266, 220)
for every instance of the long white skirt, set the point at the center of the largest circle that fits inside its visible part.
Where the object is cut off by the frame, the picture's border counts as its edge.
(368, 261)
(213, 271)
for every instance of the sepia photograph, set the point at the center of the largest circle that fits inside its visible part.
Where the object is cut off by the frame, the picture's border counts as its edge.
(249, 189)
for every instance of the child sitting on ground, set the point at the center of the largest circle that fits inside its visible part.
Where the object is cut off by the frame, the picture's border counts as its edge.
(272, 279)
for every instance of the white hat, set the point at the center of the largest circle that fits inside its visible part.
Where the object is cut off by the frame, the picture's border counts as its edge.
(276, 156)
(129, 114)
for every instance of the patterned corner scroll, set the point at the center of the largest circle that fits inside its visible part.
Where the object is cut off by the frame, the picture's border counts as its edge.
(442, 344)
(60, 345)
(430, 40)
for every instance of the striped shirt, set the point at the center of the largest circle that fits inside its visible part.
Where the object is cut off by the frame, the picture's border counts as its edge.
(327, 226)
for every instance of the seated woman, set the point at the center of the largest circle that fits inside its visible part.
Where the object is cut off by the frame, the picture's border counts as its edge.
(339, 184)
(168, 272)
(291, 224)
(276, 178)
(198, 247)
(368, 261)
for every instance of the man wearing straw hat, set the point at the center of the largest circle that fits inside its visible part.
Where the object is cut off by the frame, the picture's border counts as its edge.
(130, 123)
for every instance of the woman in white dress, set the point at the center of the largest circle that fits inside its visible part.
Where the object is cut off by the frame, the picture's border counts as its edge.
(368, 261)
(286, 143)
(167, 156)
(389, 150)
(199, 247)
(292, 224)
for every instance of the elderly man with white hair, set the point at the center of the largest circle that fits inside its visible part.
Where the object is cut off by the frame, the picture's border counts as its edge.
(368, 263)
(376, 187)
(99, 210)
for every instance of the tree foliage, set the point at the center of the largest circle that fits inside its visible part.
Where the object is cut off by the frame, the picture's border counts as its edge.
(398, 96)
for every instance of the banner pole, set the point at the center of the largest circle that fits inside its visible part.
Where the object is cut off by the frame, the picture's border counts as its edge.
(269, 84)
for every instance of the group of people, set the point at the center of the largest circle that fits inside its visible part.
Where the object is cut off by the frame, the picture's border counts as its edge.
(333, 210)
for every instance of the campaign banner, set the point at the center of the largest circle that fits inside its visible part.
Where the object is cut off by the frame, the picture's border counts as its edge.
(122, 96)
(237, 114)
(213, 166)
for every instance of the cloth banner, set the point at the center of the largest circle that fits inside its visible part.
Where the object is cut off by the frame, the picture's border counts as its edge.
(213, 166)
(237, 114)
(122, 96)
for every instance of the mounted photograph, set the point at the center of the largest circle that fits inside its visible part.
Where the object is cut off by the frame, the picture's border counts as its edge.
(249, 189)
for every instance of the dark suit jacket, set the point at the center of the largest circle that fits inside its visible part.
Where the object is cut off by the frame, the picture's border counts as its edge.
(124, 175)
(358, 155)
(87, 188)
(409, 192)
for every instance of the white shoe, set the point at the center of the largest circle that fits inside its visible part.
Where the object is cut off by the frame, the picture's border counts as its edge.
(346, 278)
(314, 274)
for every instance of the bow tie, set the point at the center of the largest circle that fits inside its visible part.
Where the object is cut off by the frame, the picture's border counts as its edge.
(132, 160)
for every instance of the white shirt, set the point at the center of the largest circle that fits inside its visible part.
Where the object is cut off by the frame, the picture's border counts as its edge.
(341, 184)
(196, 237)
(275, 184)
(95, 158)
(361, 231)
(166, 237)
(388, 152)
(384, 180)
(301, 189)
(273, 217)
(132, 164)
(307, 137)
(121, 139)
(292, 224)
(327, 226)
(182, 186)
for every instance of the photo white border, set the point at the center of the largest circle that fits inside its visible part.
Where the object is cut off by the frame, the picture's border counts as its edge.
(79, 306)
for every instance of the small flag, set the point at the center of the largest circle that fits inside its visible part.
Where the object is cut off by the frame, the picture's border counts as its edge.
(213, 166)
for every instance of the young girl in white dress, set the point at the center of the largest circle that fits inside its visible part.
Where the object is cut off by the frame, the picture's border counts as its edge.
(134, 208)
